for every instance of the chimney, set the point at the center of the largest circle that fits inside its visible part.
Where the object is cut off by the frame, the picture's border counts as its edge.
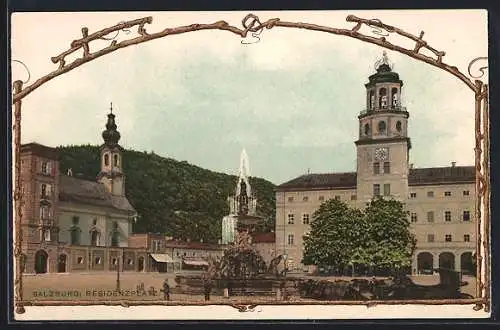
(453, 164)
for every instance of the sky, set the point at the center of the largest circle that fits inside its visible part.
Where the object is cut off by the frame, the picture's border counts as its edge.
(291, 100)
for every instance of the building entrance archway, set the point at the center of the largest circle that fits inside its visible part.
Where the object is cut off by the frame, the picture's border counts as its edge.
(425, 262)
(447, 260)
(41, 261)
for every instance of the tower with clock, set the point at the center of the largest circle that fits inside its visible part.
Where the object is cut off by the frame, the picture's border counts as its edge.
(383, 145)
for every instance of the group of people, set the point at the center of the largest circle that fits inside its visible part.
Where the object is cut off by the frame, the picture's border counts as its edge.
(207, 288)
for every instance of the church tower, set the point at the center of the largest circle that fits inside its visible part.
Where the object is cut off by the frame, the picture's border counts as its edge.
(111, 174)
(383, 145)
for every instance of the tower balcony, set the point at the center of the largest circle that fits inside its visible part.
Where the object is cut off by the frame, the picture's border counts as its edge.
(397, 108)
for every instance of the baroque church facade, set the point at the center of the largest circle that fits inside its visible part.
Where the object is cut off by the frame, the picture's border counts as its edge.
(70, 224)
(440, 200)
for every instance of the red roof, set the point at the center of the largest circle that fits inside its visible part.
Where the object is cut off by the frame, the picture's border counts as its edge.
(263, 238)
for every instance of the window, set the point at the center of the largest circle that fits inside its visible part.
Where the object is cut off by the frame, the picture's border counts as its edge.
(114, 261)
(305, 219)
(430, 194)
(305, 198)
(354, 197)
(185, 254)
(115, 234)
(290, 199)
(194, 254)
(466, 215)
(115, 158)
(466, 193)
(376, 190)
(46, 190)
(94, 238)
(376, 168)
(178, 254)
(413, 195)
(45, 212)
(80, 260)
(447, 238)
(387, 189)
(387, 167)
(430, 216)
(94, 222)
(46, 235)
(413, 217)
(75, 236)
(367, 129)
(321, 198)
(447, 193)
(290, 239)
(106, 160)
(382, 127)
(46, 167)
(75, 220)
(337, 197)
(291, 219)
(447, 216)
(466, 238)
(398, 126)
(98, 260)
(430, 238)
(130, 262)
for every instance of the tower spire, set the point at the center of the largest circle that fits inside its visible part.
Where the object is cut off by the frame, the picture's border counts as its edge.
(111, 136)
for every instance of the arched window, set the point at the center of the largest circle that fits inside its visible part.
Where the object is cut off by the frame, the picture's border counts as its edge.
(367, 129)
(106, 160)
(75, 235)
(371, 100)
(394, 97)
(115, 160)
(115, 234)
(382, 127)
(399, 126)
(382, 102)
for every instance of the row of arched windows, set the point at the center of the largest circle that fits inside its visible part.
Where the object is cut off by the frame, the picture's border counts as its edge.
(383, 99)
(116, 160)
(382, 127)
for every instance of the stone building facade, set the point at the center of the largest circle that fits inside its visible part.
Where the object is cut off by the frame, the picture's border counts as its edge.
(74, 225)
(440, 200)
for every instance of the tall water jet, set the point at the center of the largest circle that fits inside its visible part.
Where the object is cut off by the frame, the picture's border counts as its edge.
(242, 206)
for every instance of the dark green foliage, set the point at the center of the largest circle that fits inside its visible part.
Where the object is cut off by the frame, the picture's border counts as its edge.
(376, 238)
(157, 187)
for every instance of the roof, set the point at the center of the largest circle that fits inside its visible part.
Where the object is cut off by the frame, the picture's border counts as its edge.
(90, 193)
(417, 177)
(40, 150)
(161, 257)
(263, 237)
(346, 180)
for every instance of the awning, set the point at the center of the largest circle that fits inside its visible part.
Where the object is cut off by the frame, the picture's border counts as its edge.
(162, 257)
(196, 262)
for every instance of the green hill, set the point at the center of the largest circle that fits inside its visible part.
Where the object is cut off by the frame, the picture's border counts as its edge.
(157, 187)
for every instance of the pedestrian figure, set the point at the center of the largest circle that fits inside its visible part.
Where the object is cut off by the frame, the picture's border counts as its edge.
(166, 290)
(207, 287)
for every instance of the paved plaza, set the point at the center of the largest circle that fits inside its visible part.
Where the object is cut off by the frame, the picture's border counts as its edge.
(101, 286)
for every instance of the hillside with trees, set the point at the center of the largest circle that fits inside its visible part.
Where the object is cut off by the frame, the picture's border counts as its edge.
(173, 197)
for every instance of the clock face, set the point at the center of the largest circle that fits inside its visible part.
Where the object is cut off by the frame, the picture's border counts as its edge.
(381, 153)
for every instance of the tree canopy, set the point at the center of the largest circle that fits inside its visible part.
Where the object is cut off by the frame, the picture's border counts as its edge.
(377, 237)
(172, 197)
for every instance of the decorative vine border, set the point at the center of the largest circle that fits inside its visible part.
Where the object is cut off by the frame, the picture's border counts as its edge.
(252, 24)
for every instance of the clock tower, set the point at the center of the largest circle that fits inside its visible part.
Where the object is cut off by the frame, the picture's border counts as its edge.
(383, 145)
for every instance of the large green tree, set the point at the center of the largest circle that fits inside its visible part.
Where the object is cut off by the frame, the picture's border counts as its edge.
(378, 237)
(337, 232)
